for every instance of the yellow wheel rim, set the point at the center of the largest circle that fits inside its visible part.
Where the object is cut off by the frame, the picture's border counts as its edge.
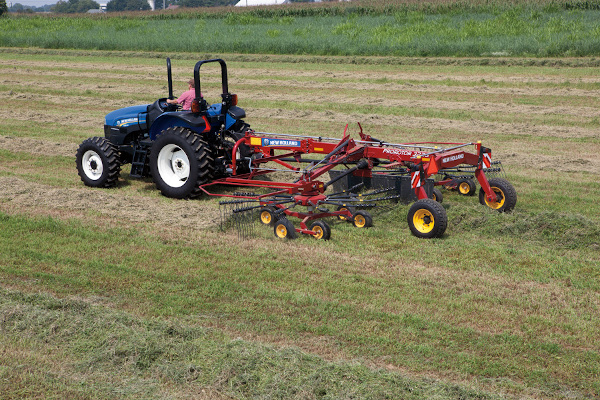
(342, 217)
(360, 221)
(496, 204)
(281, 231)
(464, 188)
(423, 221)
(265, 217)
(318, 232)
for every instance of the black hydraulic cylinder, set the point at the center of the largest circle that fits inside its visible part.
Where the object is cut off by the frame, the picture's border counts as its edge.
(362, 164)
(336, 150)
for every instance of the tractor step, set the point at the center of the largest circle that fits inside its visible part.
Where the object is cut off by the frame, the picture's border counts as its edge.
(139, 161)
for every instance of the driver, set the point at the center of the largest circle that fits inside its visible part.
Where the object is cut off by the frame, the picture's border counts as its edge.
(186, 97)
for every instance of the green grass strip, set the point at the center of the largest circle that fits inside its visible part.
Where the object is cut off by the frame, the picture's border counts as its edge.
(112, 352)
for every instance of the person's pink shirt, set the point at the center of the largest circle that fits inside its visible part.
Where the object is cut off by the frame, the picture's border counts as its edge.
(186, 99)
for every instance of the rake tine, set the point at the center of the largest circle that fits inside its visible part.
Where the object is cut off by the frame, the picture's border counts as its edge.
(237, 201)
(350, 190)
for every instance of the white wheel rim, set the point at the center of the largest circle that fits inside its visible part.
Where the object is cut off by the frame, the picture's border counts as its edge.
(173, 165)
(92, 165)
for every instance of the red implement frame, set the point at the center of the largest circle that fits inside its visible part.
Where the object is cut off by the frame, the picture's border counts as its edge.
(422, 159)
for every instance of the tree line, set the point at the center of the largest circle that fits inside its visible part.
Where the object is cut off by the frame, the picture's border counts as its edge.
(82, 6)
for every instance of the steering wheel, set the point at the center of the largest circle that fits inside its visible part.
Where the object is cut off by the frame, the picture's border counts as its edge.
(162, 103)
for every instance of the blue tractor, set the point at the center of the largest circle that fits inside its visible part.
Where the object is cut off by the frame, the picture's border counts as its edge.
(180, 150)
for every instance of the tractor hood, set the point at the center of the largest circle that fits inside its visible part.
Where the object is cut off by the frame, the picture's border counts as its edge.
(127, 116)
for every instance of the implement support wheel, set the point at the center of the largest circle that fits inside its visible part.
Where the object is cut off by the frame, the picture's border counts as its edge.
(436, 195)
(362, 219)
(466, 187)
(284, 229)
(506, 195)
(321, 229)
(427, 219)
(345, 208)
(268, 216)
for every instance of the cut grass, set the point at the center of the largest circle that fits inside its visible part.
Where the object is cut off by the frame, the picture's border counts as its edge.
(106, 353)
(393, 315)
(503, 303)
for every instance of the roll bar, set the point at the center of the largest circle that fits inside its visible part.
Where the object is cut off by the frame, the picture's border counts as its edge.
(224, 84)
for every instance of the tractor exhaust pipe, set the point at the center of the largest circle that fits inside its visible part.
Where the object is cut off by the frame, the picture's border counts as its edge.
(169, 79)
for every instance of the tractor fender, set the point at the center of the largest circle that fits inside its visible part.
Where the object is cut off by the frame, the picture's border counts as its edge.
(187, 119)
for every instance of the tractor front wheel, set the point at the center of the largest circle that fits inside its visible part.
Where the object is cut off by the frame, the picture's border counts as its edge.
(506, 195)
(98, 162)
(180, 161)
(427, 219)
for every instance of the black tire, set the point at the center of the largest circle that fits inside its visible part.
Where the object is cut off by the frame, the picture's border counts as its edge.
(427, 219)
(323, 231)
(343, 208)
(180, 161)
(284, 229)
(362, 219)
(268, 216)
(466, 187)
(507, 195)
(98, 162)
(437, 195)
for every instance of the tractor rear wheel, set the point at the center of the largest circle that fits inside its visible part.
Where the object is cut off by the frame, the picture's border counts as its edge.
(427, 219)
(505, 192)
(180, 161)
(98, 162)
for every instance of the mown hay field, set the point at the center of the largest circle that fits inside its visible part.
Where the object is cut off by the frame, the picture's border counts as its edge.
(123, 293)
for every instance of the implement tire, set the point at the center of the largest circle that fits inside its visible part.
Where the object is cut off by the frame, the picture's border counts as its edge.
(466, 187)
(284, 229)
(321, 229)
(507, 195)
(427, 219)
(180, 161)
(437, 195)
(98, 163)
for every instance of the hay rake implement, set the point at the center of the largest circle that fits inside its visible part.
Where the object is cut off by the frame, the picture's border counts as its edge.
(405, 170)
(187, 152)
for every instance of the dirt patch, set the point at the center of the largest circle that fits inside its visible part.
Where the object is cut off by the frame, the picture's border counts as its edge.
(115, 79)
(37, 146)
(125, 71)
(398, 73)
(160, 212)
(473, 127)
(483, 107)
(418, 87)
